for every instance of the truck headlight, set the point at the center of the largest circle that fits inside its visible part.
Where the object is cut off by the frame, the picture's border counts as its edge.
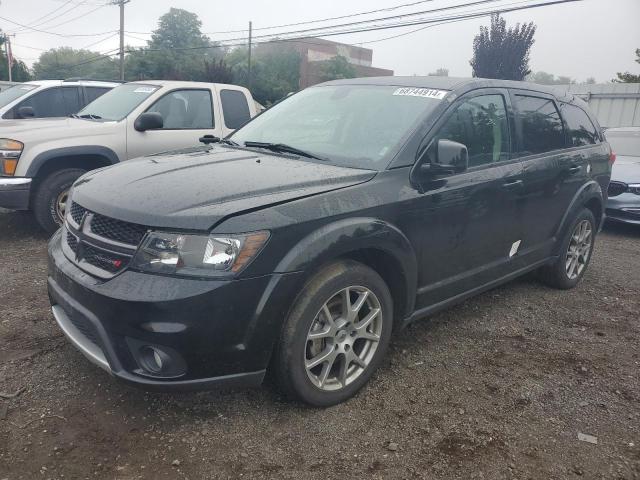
(197, 255)
(10, 151)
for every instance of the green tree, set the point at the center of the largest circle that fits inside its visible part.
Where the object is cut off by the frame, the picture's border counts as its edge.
(335, 69)
(440, 72)
(65, 62)
(275, 71)
(19, 70)
(178, 50)
(544, 78)
(501, 52)
(628, 77)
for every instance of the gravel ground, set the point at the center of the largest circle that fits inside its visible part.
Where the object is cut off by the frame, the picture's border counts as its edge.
(498, 387)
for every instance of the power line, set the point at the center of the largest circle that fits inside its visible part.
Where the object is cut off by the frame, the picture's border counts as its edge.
(27, 27)
(35, 22)
(429, 22)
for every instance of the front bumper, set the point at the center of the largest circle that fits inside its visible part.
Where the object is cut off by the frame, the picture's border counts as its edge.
(219, 332)
(624, 208)
(15, 192)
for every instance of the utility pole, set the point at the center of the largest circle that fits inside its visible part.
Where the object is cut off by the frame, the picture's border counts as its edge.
(121, 4)
(249, 58)
(7, 46)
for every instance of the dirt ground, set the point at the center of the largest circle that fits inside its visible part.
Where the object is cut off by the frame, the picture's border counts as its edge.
(498, 387)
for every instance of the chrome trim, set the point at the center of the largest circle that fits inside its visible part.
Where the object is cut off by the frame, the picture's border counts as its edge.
(11, 181)
(88, 349)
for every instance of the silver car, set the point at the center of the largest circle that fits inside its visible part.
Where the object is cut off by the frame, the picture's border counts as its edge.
(624, 190)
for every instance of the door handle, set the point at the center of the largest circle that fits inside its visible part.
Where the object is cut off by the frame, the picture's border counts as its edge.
(512, 185)
(573, 170)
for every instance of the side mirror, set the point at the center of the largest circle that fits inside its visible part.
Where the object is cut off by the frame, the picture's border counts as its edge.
(446, 157)
(26, 112)
(148, 121)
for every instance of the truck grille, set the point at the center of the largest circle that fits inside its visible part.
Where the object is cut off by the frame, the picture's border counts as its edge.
(100, 245)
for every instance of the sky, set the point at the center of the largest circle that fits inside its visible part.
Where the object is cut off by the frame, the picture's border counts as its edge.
(589, 38)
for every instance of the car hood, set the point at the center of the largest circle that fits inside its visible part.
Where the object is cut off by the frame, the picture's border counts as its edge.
(42, 129)
(626, 169)
(199, 189)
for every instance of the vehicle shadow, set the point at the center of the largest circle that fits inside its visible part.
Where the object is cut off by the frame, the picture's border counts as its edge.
(19, 225)
(622, 229)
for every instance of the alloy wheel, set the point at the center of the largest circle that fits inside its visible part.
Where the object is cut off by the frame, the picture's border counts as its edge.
(61, 204)
(579, 249)
(343, 338)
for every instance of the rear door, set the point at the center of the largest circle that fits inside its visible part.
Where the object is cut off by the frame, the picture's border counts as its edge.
(469, 221)
(551, 173)
(188, 114)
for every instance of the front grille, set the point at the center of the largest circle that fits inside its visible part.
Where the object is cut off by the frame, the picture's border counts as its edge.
(616, 188)
(98, 244)
(72, 241)
(77, 212)
(107, 261)
(123, 232)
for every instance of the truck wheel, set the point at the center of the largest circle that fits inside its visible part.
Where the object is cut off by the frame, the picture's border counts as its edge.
(50, 199)
(574, 255)
(335, 336)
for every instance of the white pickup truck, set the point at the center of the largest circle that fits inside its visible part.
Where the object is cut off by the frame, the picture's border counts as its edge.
(40, 159)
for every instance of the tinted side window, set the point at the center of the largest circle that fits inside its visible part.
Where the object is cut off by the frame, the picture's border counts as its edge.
(47, 103)
(235, 108)
(581, 130)
(71, 96)
(185, 109)
(94, 92)
(481, 124)
(542, 129)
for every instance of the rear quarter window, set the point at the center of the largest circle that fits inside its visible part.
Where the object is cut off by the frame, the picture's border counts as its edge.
(234, 108)
(580, 129)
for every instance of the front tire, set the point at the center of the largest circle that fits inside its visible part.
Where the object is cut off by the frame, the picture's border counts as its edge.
(335, 336)
(50, 199)
(575, 253)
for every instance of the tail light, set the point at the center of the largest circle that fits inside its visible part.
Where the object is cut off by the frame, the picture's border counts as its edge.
(612, 158)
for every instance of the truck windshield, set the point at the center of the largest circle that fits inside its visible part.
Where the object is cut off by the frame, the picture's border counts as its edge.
(116, 104)
(10, 94)
(360, 126)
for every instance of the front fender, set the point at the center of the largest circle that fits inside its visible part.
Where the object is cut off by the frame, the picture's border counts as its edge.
(351, 235)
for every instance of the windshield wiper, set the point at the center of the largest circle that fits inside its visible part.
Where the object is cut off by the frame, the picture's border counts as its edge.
(91, 116)
(283, 147)
(74, 115)
(207, 139)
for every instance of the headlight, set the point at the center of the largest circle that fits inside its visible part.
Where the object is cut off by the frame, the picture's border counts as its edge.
(634, 188)
(10, 151)
(197, 255)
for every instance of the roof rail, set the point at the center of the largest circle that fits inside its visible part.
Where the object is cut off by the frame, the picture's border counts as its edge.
(82, 79)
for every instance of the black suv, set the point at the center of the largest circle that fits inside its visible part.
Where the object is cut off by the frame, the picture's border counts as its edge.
(301, 242)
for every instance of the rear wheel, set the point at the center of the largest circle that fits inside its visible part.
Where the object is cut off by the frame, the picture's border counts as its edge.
(575, 253)
(335, 336)
(51, 198)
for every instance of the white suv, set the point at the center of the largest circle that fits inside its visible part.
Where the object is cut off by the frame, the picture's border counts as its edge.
(41, 158)
(50, 98)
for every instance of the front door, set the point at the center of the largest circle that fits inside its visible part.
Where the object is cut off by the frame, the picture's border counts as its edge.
(469, 230)
(188, 114)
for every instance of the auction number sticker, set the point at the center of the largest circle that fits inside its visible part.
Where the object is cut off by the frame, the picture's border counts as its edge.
(421, 92)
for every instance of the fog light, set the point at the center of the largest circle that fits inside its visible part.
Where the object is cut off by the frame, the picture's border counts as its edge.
(154, 359)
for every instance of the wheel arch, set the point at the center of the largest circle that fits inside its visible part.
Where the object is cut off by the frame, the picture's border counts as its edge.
(87, 157)
(589, 196)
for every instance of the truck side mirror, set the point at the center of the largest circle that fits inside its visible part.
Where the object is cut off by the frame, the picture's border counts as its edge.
(26, 112)
(148, 121)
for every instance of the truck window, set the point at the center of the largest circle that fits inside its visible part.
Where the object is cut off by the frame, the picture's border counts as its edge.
(47, 103)
(94, 92)
(185, 109)
(234, 108)
(71, 98)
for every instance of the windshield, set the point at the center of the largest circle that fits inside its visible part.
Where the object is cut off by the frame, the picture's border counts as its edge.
(10, 94)
(352, 125)
(116, 104)
(624, 144)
